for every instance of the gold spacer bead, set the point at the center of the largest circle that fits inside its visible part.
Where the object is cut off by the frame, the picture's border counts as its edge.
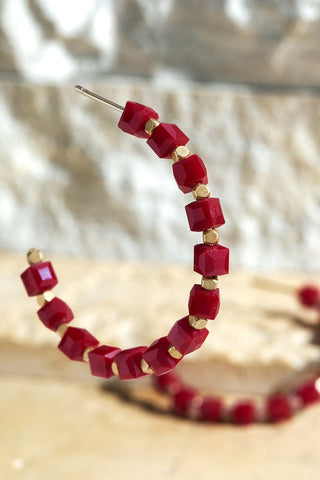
(174, 353)
(34, 256)
(45, 297)
(85, 355)
(200, 191)
(197, 323)
(209, 283)
(210, 237)
(145, 367)
(151, 124)
(180, 152)
(61, 330)
(114, 368)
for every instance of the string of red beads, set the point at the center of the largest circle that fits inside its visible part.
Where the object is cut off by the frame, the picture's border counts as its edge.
(188, 402)
(210, 260)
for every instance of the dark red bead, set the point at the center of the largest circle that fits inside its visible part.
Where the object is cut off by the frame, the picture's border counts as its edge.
(211, 261)
(211, 409)
(38, 278)
(188, 172)
(309, 392)
(204, 303)
(54, 313)
(243, 412)
(75, 341)
(129, 363)
(185, 338)
(183, 399)
(165, 138)
(169, 382)
(309, 296)
(158, 357)
(135, 117)
(100, 360)
(278, 408)
(204, 214)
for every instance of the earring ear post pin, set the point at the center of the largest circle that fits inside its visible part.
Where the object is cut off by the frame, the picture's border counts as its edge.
(98, 98)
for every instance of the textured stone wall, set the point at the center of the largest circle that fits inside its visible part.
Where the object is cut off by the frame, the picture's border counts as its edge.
(71, 183)
(255, 41)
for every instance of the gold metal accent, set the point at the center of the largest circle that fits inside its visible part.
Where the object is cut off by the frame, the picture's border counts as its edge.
(114, 368)
(61, 330)
(34, 256)
(151, 124)
(174, 353)
(197, 323)
(200, 191)
(145, 367)
(209, 283)
(45, 297)
(210, 237)
(97, 97)
(180, 152)
(85, 355)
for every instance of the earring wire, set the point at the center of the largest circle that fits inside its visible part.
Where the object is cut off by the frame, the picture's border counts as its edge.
(98, 98)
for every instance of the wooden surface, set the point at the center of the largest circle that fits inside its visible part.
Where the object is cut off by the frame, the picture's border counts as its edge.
(57, 422)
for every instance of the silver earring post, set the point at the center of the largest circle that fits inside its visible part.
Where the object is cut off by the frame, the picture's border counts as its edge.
(98, 98)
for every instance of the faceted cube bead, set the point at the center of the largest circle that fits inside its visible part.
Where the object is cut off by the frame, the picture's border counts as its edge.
(38, 278)
(211, 260)
(158, 357)
(243, 412)
(134, 118)
(278, 408)
(168, 382)
(188, 172)
(75, 341)
(204, 214)
(309, 392)
(211, 409)
(165, 138)
(183, 399)
(185, 338)
(309, 296)
(54, 313)
(100, 360)
(204, 303)
(129, 363)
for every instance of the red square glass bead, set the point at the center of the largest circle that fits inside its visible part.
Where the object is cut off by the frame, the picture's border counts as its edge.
(54, 313)
(204, 214)
(211, 409)
(100, 360)
(204, 303)
(309, 296)
(168, 382)
(165, 138)
(38, 278)
(158, 357)
(211, 261)
(75, 341)
(182, 400)
(309, 392)
(129, 363)
(188, 172)
(134, 118)
(279, 408)
(185, 338)
(243, 412)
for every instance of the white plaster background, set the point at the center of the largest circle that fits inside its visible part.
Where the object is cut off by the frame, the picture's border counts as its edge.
(71, 183)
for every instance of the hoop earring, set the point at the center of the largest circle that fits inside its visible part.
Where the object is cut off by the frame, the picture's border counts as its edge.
(211, 260)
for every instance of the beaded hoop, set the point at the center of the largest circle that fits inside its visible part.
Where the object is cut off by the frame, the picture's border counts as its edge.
(211, 260)
(188, 402)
